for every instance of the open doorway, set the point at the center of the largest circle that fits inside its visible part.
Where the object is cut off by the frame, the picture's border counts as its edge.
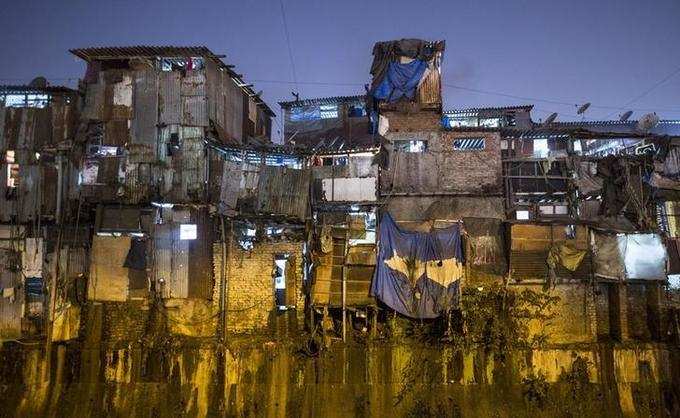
(280, 272)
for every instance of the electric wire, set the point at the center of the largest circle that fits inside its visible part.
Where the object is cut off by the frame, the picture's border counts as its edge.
(290, 49)
(649, 90)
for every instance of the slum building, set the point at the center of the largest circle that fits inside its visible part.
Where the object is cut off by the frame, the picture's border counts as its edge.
(140, 182)
(529, 199)
(339, 142)
(202, 209)
(451, 249)
(37, 126)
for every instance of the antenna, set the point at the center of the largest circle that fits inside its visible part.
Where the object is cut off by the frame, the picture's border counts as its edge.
(647, 122)
(626, 116)
(583, 108)
(296, 95)
(550, 119)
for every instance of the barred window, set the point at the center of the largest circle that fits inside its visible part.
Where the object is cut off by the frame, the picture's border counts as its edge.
(468, 144)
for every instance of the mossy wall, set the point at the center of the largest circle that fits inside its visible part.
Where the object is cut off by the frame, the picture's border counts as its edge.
(376, 379)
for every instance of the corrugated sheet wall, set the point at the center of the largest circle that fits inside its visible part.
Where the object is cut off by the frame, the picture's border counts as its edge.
(170, 101)
(283, 191)
(145, 108)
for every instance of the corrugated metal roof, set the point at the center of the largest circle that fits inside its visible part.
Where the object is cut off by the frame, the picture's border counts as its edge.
(322, 100)
(594, 129)
(525, 108)
(98, 53)
(148, 51)
(5, 89)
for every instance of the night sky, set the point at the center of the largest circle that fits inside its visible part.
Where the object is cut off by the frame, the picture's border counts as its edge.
(607, 52)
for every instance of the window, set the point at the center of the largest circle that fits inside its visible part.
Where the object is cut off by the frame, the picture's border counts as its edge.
(329, 161)
(468, 144)
(365, 235)
(415, 146)
(357, 110)
(305, 113)
(188, 232)
(328, 111)
(12, 170)
(541, 147)
(26, 100)
(172, 64)
(460, 121)
(490, 122)
(522, 215)
(102, 151)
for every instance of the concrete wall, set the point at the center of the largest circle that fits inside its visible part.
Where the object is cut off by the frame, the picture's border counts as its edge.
(372, 380)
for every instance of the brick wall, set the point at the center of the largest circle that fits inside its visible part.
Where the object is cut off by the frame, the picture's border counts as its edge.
(440, 169)
(250, 298)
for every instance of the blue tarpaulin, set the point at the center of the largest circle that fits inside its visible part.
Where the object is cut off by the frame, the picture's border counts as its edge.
(418, 274)
(400, 81)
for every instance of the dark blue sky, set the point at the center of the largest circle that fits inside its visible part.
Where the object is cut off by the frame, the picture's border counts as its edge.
(603, 51)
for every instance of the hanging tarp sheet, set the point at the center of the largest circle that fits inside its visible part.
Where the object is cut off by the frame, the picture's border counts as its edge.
(644, 256)
(400, 81)
(387, 52)
(418, 274)
(565, 255)
(630, 256)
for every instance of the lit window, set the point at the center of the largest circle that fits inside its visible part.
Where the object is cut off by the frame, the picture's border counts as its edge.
(468, 144)
(414, 146)
(577, 147)
(460, 121)
(12, 175)
(541, 147)
(27, 100)
(674, 281)
(522, 215)
(490, 122)
(188, 231)
(329, 111)
(12, 169)
(305, 113)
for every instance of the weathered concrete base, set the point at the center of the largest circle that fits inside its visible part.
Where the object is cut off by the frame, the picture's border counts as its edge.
(377, 379)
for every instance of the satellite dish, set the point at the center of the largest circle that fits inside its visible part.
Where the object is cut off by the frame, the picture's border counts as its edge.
(626, 116)
(550, 119)
(38, 82)
(647, 122)
(583, 108)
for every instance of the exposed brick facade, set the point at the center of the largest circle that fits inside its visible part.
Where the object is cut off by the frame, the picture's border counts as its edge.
(441, 169)
(250, 297)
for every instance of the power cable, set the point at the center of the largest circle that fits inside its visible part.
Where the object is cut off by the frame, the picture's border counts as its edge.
(489, 92)
(649, 90)
(290, 50)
